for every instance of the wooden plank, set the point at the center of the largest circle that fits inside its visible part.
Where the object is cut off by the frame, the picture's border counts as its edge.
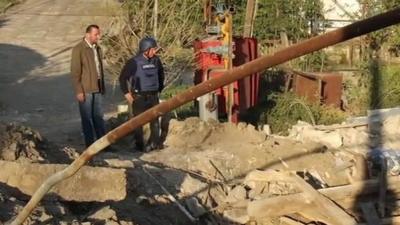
(329, 212)
(304, 203)
(345, 194)
(277, 206)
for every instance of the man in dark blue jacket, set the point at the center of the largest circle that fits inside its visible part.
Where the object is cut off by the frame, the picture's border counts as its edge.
(141, 81)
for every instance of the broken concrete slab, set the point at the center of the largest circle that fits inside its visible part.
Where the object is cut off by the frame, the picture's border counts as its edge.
(89, 184)
(306, 132)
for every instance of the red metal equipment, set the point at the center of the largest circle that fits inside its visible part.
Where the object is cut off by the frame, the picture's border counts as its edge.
(220, 52)
(211, 65)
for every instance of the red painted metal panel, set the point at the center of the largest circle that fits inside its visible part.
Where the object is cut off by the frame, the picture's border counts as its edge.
(245, 90)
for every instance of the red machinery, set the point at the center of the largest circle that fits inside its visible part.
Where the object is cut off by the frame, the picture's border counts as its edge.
(217, 53)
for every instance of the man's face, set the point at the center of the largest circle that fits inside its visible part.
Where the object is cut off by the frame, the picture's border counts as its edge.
(152, 52)
(93, 36)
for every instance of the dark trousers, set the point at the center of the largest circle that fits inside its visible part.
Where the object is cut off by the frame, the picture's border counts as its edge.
(141, 104)
(92, 117)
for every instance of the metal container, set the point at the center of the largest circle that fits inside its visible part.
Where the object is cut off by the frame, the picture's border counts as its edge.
(325, 88)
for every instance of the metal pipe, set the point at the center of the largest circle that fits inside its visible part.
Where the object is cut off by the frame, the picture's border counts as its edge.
(308, 46)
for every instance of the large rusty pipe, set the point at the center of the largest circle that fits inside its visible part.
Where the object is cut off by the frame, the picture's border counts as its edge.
(308, 46)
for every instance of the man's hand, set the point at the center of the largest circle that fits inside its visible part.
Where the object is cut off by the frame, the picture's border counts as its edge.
(129, 97)
(80, 97)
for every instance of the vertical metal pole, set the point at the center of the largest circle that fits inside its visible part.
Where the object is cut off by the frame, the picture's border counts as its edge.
(228, 66)
(155, 25)
(249, 19)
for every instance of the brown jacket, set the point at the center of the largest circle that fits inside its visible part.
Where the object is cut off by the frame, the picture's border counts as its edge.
(83, 69)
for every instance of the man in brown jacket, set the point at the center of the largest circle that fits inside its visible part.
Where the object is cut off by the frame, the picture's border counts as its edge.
(88, 81)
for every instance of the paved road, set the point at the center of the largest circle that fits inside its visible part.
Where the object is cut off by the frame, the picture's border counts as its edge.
(35, 46)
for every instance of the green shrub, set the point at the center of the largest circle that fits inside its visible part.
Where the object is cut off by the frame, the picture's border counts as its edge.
(5, 4)
(377, 86)
(286, 109)
(185, 111)
(317, 61)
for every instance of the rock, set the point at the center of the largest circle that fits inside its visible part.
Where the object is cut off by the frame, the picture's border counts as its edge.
(161, 199)
(391, 125)
(195, 207)
(241, 126)
(118, 163)
(10, 153)
(281, 188)
(142, 199)
(75, 222)
(305, 132)
(266, 129)
(237, 215)
(88, 184)
(217, 195)
(111, 222)
(256, 176)
(56, 209)
(122, 222)
(45, 217)
(258, 188)
(104, 213)
(19, 142)
(236, 194)
(190, 185)
(353, 137)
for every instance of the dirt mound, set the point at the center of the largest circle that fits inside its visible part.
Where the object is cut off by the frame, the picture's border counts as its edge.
(222, 154)
(21, 143)
(228, 151)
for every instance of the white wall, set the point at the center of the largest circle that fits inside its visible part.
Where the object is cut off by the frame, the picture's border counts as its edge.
(335, 11)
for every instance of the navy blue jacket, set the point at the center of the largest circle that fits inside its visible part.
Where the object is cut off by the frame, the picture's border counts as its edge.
(143, 74)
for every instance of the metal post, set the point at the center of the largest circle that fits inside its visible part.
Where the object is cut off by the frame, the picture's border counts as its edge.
(249, 19)
(155, 25)
(308, 46)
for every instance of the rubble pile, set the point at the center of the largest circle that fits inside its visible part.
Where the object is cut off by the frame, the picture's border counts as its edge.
(221, 173)
(24, 144)
(359, 135)
(21, 143)
(228, 152)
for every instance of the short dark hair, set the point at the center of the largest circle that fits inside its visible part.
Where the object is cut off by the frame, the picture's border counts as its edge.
(91, 27)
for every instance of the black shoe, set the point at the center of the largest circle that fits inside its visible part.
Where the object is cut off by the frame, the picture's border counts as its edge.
(148, 148)
(110, 149)
(139, 148)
